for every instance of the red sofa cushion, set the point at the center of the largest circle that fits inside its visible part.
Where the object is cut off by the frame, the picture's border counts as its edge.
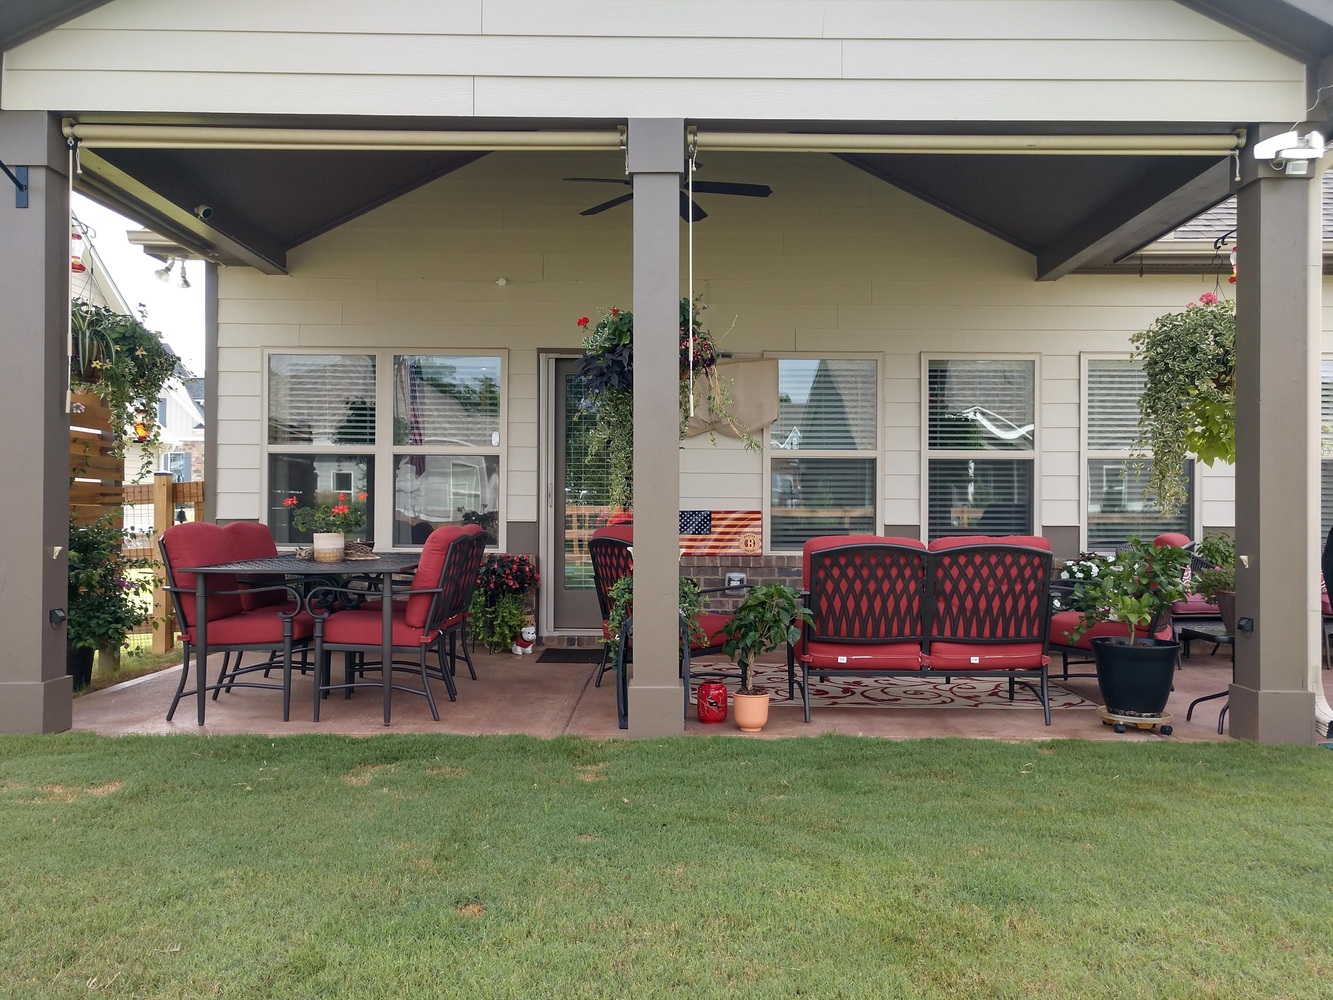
(252, 540)
(621, 531)
(1064, 622)
(970, 656)
(714, 627)
(862, 655)
(200, 543)
(430, 570)
(1195, 605)
(246, 628)
(1171, 538)
(365, 627)
(964, 541)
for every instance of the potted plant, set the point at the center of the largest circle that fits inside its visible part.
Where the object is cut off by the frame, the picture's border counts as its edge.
(1188, 403)
(109, 595)
(1136, 589)
(1217, 584)
(771, 615)
(607, 369)
(329, 524)
(500, 604)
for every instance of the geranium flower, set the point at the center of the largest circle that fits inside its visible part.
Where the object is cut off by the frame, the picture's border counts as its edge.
(290, 502)
(362, 496)
(583, 321)
(1207, 299)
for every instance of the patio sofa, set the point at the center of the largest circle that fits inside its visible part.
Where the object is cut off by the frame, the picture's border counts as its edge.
(963, 606)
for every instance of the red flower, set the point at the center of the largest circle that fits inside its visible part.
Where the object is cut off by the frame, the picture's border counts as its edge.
(1207, 299)
(615, 312)
(583, 321)
(342, 496)
(290, 502)
(361, 496)
(341, 508)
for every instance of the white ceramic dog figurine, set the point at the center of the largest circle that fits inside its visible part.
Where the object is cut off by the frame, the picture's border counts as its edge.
(526, 640)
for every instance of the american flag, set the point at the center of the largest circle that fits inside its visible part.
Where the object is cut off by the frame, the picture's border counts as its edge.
(721, 532)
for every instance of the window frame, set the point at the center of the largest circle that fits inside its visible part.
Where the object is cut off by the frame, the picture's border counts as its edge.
(875, 454)
(1088, 454)
(956, 454)
(385, 453)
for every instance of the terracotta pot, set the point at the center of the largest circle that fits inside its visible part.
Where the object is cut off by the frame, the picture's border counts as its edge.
(1226, 607)
(329, 546)
(751, 711)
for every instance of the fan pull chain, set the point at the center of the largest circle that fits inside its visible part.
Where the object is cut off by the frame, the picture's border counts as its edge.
(689, 227)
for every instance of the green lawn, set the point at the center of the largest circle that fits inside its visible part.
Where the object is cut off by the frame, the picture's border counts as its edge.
(425, 866)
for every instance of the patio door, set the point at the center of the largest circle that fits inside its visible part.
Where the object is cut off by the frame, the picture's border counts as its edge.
(576, 491)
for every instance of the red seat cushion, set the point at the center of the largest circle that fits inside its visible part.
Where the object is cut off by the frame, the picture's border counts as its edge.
(1168, 538)
(252, 540)
(257, 628)
(200, 543)
(969, 656)
(430, 571)
(862, 655)
(364, 627)
(1195, 605)
(966, 541)
(1063, 624)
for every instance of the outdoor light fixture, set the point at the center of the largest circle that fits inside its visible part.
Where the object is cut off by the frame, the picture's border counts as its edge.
(1291, 152)
(183, 281)
(164, 273)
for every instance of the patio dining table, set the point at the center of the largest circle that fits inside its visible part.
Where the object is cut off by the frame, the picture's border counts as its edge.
(383, 567)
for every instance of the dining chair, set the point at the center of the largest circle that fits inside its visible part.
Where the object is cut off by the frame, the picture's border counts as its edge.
(419, 619)
(462, 566)
(252, 540)
(231, 626)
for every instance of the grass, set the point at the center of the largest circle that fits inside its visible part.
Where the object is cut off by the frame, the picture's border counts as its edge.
(134, 662)
(424, 866)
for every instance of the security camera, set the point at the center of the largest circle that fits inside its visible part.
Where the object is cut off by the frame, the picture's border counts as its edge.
(203, 212)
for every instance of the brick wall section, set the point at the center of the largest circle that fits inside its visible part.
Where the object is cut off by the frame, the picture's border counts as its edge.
(711, 572)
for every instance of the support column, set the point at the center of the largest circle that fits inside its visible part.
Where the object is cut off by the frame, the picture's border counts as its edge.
(656, 159)
(35, 693)
(211, 392)
(1278, 231)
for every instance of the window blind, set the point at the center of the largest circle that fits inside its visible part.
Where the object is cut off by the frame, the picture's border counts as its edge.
(321, 399)
(981, 405)
(1114, 388)
(442, 400)
(825, 405)
(979, 497)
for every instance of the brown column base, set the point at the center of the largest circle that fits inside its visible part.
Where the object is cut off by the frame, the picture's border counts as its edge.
(23, 703)
(1272, 716)
(655, 710)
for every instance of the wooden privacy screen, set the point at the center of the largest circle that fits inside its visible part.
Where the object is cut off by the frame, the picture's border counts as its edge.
(95, 473)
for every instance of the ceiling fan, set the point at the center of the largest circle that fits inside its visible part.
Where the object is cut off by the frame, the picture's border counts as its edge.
(689, 210)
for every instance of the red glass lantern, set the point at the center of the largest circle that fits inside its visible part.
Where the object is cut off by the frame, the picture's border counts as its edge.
(712, 701)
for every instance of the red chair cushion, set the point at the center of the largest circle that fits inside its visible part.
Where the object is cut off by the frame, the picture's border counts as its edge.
(252, 540)
(252, 628)
(969, 656)
(1195, 605)
(862, 655)
(1063, 624)
(430, 572)
(364, 627)
(714, 627)
(200, 543)
(1175, 538)
(1326, 606)
(966, 541)
(619, 531)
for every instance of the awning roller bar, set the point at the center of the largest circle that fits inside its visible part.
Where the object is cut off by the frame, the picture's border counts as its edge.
(96, 136)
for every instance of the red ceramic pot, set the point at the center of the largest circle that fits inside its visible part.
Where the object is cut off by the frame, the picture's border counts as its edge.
(712, 701)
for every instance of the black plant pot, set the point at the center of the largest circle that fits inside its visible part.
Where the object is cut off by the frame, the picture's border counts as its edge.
(79, 665)
(1135, 679)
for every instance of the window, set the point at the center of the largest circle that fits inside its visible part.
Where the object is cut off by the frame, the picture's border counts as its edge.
(980, 446)
(178, 464)
(424, 429)
(1118, 508)
(822, 450)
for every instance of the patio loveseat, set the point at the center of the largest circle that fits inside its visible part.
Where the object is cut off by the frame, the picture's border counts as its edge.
(964, 606)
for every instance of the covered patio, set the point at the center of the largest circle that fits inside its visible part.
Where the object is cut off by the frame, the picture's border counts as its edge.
(523, 696)
(430, 213)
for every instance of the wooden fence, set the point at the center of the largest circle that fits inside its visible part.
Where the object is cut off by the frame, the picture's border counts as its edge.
(95, 472)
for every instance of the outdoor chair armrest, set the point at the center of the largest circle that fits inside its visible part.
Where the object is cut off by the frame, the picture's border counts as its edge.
(360, 595)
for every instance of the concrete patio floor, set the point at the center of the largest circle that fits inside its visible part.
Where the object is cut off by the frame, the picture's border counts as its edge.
(520, 695)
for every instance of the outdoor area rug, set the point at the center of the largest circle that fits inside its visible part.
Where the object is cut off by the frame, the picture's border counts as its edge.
(912, 692)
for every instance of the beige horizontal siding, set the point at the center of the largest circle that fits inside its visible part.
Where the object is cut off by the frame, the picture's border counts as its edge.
(404, 278)
(910, 60)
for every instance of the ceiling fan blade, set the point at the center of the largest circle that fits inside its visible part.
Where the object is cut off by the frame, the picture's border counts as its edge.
(599, 180)
(596, 209)
(685, 209)
(730, 187)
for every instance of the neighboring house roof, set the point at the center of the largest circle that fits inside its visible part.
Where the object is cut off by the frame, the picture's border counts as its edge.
(1221, 219)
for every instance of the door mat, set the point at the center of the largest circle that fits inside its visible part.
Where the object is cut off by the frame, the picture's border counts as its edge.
(908, 692)
(569, 654)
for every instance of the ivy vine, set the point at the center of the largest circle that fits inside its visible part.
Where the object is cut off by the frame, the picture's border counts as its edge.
(1189, 394)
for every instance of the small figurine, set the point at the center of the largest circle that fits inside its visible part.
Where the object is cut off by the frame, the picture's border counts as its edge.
(526, 641)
